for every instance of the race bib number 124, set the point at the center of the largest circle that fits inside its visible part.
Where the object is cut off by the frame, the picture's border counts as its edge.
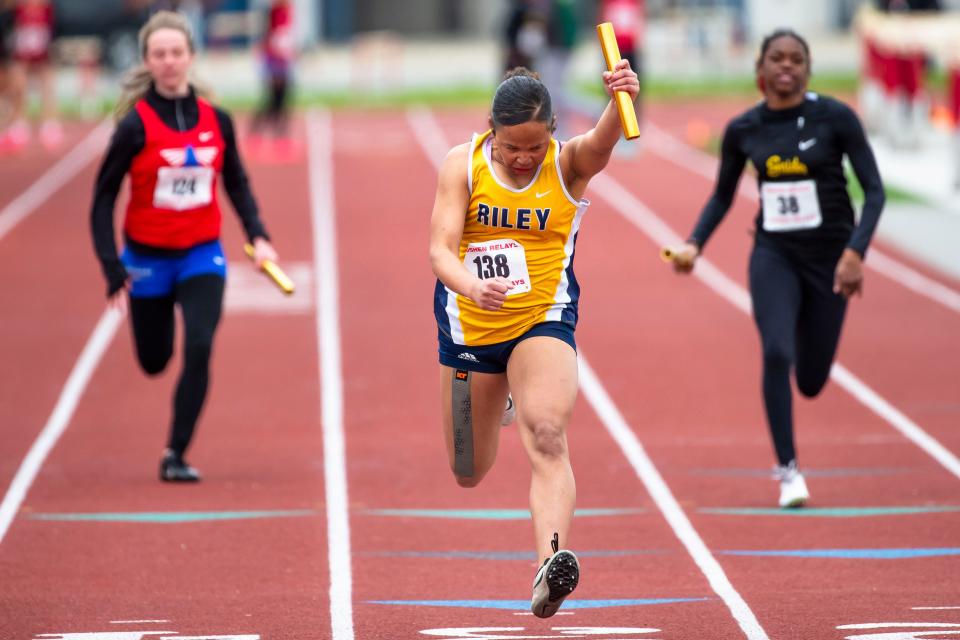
(181, 188)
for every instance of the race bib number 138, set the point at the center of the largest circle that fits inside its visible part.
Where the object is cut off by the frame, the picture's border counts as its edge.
(499, 258)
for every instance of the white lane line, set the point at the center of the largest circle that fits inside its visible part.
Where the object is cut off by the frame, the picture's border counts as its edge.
(137, 621)
(703, 164)
(62, 413)
(57, 176)
(896, 418)
(632, 448)
(323, 216)
(426, 128)
(641, 216)
(913, 280)
(429, 134)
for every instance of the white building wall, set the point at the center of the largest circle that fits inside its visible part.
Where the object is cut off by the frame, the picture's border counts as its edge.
(806, 17)
(485, 18)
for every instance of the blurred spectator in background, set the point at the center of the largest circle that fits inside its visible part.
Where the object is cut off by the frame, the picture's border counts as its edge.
(526, 33)
(85, 54)
(193, 10)
(953, 102)
(561, 38)
(32, 36)
(627, 18)
(6, 28)
(909, 5)
(278, 49)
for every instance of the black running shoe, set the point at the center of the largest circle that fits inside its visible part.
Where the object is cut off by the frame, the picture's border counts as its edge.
(557, 578)
(173, 468)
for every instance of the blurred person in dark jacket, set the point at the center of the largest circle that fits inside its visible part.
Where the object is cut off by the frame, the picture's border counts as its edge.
(526, 32)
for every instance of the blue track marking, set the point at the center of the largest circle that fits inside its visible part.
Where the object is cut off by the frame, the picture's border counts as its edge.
(853, 554)
(828, 512)
(524, 605)
(507, 555)
(839, 472)
(169, 517)
(488, 514)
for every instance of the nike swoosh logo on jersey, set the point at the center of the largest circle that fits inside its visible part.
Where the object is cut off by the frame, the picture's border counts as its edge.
(540, 195)
(205, 136)
(806, 144)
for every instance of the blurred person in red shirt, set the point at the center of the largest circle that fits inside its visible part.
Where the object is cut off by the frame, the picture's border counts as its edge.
(629, 23)
(6, 28)
(30, 50)
(278, 51)
(954, 102)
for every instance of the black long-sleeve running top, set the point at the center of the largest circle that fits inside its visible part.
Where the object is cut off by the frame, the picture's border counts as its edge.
(180, 114)
(791, 148)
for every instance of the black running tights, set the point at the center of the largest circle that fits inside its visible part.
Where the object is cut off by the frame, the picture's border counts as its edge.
(799, 319)
(200, 300)
(274, 109)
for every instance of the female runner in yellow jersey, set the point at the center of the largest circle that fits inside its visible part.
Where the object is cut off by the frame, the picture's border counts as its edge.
(508, 208)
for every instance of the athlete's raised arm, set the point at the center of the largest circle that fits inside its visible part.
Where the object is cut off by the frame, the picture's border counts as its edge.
(586, 155)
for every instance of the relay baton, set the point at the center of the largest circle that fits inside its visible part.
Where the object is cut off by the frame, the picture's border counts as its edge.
(611, 53)
(276, 273)
(667, 254)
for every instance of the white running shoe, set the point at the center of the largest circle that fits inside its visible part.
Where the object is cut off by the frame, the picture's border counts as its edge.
(556, 579)
(793, 488)
(51, 135)
(509, 413)
(17, 136)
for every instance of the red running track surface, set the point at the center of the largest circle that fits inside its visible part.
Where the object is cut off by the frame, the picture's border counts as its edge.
(679, 363)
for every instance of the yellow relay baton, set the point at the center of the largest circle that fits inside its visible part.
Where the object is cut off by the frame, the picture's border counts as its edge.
(276, 273)
(611, 54)
(667, 254)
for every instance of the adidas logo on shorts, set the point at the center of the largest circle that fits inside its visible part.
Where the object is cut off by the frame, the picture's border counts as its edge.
(468, 356)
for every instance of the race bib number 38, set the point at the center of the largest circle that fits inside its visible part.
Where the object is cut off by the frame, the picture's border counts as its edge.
(499, 258)
(790, 206)
(181, 188)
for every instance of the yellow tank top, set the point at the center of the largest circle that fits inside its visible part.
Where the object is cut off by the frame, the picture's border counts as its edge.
(524, 235)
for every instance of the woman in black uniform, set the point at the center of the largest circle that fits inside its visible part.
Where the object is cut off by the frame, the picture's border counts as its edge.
(807, 258)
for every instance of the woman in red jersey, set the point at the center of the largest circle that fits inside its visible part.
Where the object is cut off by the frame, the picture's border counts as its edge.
(174, 145)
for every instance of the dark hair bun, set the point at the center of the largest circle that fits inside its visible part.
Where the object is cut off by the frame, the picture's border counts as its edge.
(521, 72)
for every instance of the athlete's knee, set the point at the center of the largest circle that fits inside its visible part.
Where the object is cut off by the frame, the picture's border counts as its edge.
(152, 367)
(154, 362)
(468, 471)
(777, 355)
(811, 386)
(468, 482)
(196, 351)
(548, 438)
